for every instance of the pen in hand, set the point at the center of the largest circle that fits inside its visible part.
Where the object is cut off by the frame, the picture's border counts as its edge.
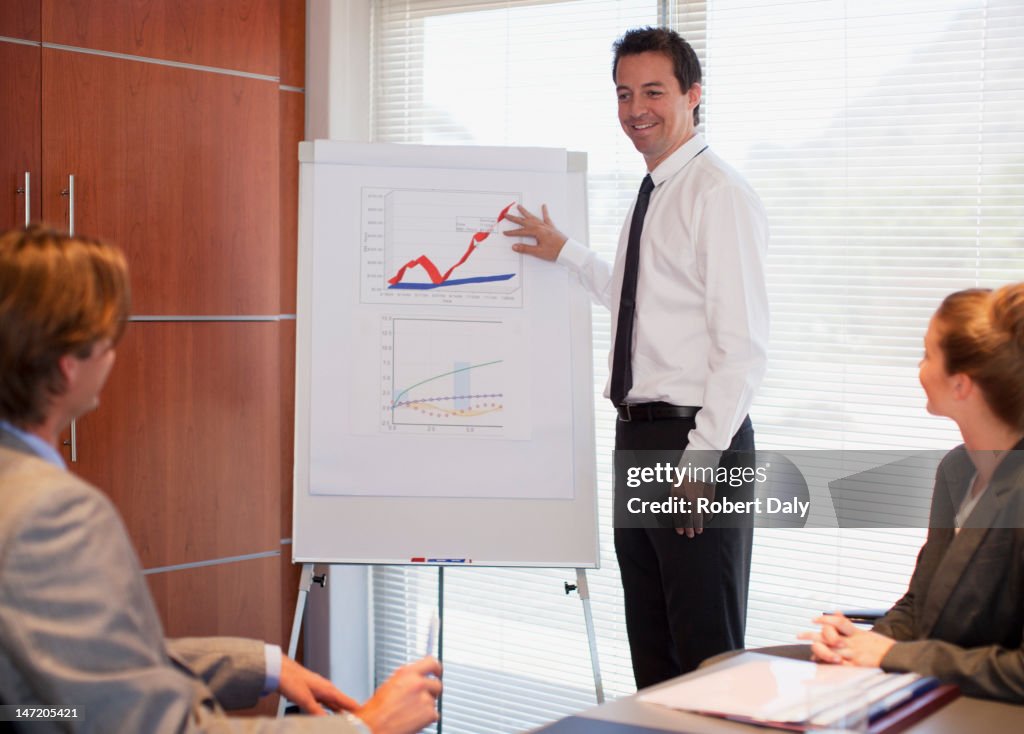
(432, 632)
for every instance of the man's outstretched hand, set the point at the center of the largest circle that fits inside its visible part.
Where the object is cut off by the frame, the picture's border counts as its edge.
(549, 240)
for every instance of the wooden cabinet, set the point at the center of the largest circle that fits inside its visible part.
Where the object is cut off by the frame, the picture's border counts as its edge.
(20, 110)
(179, 167)
(242, 35)
(186, 440)
(235, 608)
(20, 19)
(293, 43)
(292, 119)
(20, 151)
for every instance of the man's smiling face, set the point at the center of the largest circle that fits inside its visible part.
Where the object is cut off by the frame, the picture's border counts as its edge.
(653, 111)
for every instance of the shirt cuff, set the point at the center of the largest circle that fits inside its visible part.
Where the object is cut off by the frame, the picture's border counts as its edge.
(700, 458)
(358, 723)
(272, 664)
(573, 254)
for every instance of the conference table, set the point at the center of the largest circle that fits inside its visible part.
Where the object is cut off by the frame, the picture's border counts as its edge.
(630, 716)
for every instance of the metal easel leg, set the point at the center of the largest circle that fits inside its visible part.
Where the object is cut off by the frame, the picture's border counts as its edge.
(588, 616)
(440, 635)
(306, 579)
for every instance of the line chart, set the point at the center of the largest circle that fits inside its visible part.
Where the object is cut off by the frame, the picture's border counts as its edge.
(434, 247)
(434, 378)
(437, 280)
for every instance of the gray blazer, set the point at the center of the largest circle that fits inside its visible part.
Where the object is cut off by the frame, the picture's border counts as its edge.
(962, 619)
(78, 626)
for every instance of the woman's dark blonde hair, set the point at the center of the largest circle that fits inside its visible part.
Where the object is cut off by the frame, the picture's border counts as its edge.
(58, 295)
(981, 334)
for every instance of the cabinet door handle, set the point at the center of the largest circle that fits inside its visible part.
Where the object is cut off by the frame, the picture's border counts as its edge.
(28, 198)
(73, 442)
(27, 191)
(70, 193)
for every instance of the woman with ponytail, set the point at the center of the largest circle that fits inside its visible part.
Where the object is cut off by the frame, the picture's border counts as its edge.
(962, 618)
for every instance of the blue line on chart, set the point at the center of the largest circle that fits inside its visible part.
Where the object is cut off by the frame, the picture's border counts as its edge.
(447, 397)
(445, 284)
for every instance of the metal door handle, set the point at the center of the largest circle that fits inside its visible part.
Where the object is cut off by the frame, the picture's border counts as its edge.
(70, 193)
(27, 191)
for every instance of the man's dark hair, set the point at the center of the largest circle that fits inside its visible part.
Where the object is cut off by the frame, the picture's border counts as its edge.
(663, 41)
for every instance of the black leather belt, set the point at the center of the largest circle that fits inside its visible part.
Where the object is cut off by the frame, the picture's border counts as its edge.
(654, 411)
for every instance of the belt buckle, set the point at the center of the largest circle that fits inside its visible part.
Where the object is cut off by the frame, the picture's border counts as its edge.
(629, 414)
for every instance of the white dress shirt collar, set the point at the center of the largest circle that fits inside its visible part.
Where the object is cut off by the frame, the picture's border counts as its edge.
(38, 446)
(675, 162)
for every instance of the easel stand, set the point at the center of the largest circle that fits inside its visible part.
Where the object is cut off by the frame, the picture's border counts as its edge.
(583, 589)
(308, 577)
(306, 580)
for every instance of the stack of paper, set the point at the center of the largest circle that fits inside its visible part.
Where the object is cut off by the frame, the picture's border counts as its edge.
(791, 694)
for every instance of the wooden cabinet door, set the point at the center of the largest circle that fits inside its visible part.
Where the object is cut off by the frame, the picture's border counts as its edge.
(293, 43)
(20, 123)
(179, 167)
(186, 440)
(20, 19)
(243, 35)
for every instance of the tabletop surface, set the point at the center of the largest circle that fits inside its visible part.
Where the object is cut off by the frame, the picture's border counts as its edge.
(962, 715)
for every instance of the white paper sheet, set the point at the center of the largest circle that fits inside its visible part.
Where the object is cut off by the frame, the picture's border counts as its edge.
(769, 689)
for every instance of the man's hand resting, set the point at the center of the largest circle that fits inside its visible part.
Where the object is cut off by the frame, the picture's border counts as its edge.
(311, 692)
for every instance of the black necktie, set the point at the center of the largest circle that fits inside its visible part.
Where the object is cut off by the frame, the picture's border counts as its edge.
(622, 354)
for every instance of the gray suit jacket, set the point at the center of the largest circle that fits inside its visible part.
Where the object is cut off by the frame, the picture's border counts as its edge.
(962, 619)
(78, 626)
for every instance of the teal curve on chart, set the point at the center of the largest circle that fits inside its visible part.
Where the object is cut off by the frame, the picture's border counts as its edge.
(397, 401)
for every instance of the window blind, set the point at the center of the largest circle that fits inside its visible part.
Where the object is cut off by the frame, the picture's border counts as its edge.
(884, 140)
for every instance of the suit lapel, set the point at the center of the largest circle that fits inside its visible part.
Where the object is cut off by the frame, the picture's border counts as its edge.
(977, 528)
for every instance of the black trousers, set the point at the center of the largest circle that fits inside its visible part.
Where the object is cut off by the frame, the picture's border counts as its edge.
(685, 598)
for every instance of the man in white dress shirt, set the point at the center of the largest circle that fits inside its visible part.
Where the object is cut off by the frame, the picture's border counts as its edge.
(690, 342)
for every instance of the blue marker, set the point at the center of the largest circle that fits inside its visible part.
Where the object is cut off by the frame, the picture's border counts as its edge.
(449, 560)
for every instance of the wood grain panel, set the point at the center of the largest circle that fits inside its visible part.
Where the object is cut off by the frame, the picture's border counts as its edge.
(186, 440)
(293, 43)
(293, 116)
(178, 167)
(20, 149)
(289, 573)
(287, 393)
(236, 599)
(243, 35)
(20, 19)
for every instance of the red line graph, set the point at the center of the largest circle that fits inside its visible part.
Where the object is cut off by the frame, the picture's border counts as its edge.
(428, 265)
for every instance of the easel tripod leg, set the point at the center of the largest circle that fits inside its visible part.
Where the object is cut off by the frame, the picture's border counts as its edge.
(305, 582)
(588, 616)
